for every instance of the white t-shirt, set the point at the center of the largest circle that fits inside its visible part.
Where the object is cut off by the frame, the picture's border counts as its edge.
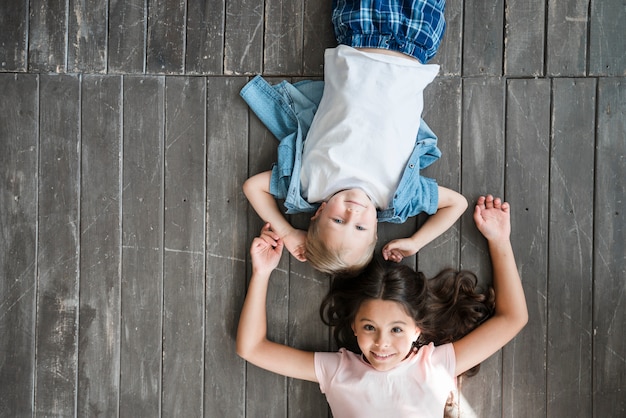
(418, 387)
(366, 125)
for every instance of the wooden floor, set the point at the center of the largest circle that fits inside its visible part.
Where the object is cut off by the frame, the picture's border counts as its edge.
(124, 247)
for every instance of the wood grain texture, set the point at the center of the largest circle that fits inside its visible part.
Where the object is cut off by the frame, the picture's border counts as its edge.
(524, 38)
(47, 44)
(58, 246)
(609, 256)
(483, 39)
(87, 36)
(607, 42)
(567, 38)
(526, 185)
(204, 51)
(482, 172)
(226, 246)
(267, 392)
(282, 52)
(142, 247)
(19, 152)
(100, 239)
(13, 36)
(165, 43)
(318, 35)
(243, 37)
(127, 44)
(184, 238)
(570, 248)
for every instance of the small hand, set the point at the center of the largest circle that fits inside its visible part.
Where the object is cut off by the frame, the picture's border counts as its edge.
(397, 249)
(492, 217)
(265, 252)
(295, 242)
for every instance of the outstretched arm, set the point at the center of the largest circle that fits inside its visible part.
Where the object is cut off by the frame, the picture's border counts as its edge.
(492, 217)
(252, 342)
(451, 207)
(257, 190)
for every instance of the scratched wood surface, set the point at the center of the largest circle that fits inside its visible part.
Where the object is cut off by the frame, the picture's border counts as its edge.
(125, 234)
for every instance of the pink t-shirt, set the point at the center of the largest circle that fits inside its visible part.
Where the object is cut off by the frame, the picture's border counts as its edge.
(418, 387)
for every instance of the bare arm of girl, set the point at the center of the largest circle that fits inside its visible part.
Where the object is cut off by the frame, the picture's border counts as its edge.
(492, 217)
(252, 342)
(257, 190)
(451, 207)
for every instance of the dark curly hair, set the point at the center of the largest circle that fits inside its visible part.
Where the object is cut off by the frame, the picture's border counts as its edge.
(445, 308)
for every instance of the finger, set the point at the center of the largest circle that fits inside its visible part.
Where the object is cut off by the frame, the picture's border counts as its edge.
(489, 201)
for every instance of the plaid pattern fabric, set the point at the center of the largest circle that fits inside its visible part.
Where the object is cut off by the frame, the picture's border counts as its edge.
(413, 27)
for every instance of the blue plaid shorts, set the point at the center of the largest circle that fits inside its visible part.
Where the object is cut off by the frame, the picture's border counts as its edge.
(413, 27)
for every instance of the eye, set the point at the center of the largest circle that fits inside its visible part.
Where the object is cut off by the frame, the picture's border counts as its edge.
(360, 228)
(396, 330)
(337, 220)
(368, 327)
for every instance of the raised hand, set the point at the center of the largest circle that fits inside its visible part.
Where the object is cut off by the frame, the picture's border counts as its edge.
(492, 217)
(265, 251)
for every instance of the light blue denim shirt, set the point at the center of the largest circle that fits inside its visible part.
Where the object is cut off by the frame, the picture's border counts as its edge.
(287, 110)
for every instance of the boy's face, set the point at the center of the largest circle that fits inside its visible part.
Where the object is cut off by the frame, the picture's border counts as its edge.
(348, 221)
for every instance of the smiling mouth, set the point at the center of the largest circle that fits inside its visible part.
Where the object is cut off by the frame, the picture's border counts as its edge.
(382, 357)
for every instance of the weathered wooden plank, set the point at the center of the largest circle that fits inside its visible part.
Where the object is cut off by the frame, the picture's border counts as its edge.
(13, 36)
(266, 392)
(570, 248)
(87, 36)
(126, 44)
(526, 185)
(442, 113)
(204, 52)
(283, 37)
(18, 246)
(47, 44)
(567, 37)
(142, 247)
(524, 38)
(226, 245)
(58, 247)
(243, 37)
(183, 282)
(307, 288)
(606, 39)
(483, 40)
(100, 236)
(165, 42)
(318, 35)
(609, 260)
(450, 50)
(482, 154)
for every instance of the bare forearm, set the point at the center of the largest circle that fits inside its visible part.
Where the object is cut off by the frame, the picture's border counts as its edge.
(252, 330)
(256, 189)
(507, 283)
(451, 207)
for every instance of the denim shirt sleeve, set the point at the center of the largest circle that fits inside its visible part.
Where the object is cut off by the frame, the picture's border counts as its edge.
(287, 110)
(416, 194)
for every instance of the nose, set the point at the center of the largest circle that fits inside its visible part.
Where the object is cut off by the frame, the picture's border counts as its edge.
(380, 341)
(352, 208)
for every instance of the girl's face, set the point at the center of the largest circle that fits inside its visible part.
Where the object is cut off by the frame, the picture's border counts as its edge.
(384, 332)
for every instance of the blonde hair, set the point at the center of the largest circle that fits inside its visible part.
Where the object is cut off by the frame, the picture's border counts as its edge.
(330, 261)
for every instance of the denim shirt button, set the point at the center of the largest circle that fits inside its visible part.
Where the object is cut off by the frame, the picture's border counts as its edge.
(411, 166)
